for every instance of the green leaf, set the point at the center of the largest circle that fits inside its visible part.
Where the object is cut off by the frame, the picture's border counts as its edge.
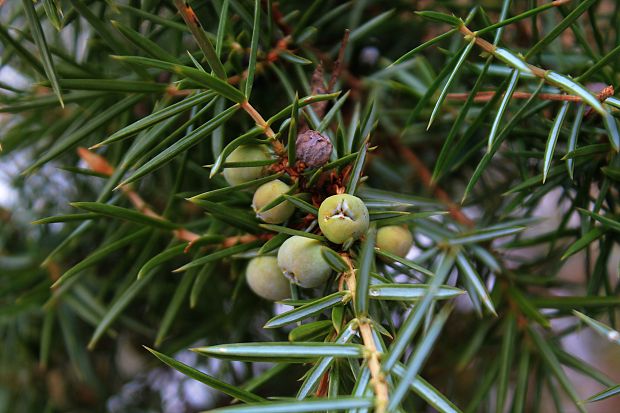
(587, 150)
(208, 81)
(365, 263)
(418, 357)
(552, 140)
(484, 235)
(308, 310)
(273, 243)
(588, 238)
(302, 406)
(333, 111)
(281, 352)
(421, 47)
(221, 28)
(84, 131)
(235, 217)
(453, 74)
(411, 292)
(66, 218)
(440, 17)
(35, 102)
(572, 87)
(334, 260)
(163, 21)
(607, 332)
(293, 58)
(311, 331)
(528, 308)
(561, 27)
(503, 22)
(232, 391)
(405, 262)
(502, 108)
(144, 43)
(301, 204)
(572, 140)
(249, 81)
(162, 257)
(457, 125)
(612, 224)
(416, 316)
(512, 60)
(571, 302)
(39, 39)
(430, 394)
(118, 306)
(126, 214)
(523, 374)
(554, 366)
(201, 38)
(319, 369)
(46, 337)
(54, 13)
(467, 270)
(290, 231)
(292, 132)
(507, 352)
(605, 394)
(182, 145)
(358, 168)
(33, 62)
(180, 293)
(100, 254)
(99, 26)
(113, 85)
(486, 159)
(216, 193)
(218, 255)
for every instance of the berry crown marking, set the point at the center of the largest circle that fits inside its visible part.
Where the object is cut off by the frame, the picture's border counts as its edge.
(342, 211)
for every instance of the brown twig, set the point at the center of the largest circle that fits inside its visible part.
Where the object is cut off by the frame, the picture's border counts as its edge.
(339, 63)
(426, 179)
(535, 70)
(488, 95)
(278, 18)
(99, 164)
(278, 147)
(378, 381)
(378, 378)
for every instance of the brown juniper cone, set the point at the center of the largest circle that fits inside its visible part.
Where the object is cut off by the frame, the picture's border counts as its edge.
(313, 148)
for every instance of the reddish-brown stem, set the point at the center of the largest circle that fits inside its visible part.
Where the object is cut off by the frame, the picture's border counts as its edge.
(488, 95)
(99, 164)
(374, 365)
(378, 378)
(261, 123)
(339, 63)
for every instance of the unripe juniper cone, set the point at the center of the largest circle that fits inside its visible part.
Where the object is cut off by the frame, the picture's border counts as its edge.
(313, 148)
(395, 240)
(301, 261)
(246, 153)
(266, 279)
(267, 193)
(343, 217)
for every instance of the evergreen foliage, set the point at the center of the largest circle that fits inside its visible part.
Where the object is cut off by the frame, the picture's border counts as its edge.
(135, 134)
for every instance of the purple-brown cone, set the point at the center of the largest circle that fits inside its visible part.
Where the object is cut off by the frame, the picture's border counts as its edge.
(313, 148)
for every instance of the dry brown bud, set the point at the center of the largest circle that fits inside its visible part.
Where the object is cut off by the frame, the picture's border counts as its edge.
(313, 148)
